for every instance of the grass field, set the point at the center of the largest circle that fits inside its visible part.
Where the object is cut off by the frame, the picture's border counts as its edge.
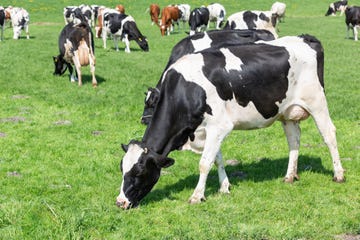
(60, 143)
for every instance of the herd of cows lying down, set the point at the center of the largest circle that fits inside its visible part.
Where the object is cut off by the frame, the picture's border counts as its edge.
(239, 77)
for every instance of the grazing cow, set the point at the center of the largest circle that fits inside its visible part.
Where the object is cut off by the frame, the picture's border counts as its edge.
(253, 20)
(101, 11)
(217, 14)
(337, 6)
(184, 13)
(2, 22)
(124, 27)
(20, 19)
(199, 20)
(120, 8)
(279, 8)
(239, 87)
(154, 14)
(352, 20)
(199, 42)
(169, 16)
(76, 47)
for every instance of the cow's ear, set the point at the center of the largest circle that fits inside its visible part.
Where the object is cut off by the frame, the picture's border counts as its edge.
(125, 147)
(164, 162)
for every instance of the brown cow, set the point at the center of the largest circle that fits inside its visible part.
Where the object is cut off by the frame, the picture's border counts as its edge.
(169, 15)
(154, 14)
(120, 8)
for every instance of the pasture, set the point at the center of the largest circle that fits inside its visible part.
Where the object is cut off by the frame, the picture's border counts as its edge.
(60, 143)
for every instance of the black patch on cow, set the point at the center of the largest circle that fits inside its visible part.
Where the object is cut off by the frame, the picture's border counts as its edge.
(261, 80)
(249, 18)
(181, 102)
(2, 17)
(263, 17)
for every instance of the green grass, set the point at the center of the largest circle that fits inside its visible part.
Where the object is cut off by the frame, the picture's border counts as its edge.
(60, 144)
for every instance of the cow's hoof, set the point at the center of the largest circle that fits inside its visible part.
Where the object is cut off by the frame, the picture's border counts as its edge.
(291, 179)
(196, 200)
(94, 85)
(339, 179)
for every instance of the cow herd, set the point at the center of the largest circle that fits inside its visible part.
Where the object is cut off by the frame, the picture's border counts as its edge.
(240, 76)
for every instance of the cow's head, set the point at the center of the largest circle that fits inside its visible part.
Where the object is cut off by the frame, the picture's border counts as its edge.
(151, 99)
(331, 10)
(60, 65)
(141, 169)
(143, 43)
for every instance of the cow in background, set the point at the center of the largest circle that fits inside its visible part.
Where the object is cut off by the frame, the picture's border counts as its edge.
(88, 12)
(184, 13)
(217, 14)
(101, 11)
(154, 11)
(76, 47)
(279, 8)
(169, 16)
(352, 20)
(2, 22)
(124, 27)
(253, 20)
(337, 6)
(199, 20)
(120, 8)
(20, 20)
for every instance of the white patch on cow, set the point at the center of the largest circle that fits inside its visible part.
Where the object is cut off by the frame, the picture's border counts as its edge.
(131, 157)
(232, 61)
(201, 43)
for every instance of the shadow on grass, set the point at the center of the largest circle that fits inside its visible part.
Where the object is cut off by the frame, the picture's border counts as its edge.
(259, 171)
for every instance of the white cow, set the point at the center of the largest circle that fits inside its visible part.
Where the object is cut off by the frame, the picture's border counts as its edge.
(217, 14)
(20, 19)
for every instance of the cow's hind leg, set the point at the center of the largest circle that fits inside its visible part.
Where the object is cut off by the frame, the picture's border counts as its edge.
(328, 132)
(292, 132)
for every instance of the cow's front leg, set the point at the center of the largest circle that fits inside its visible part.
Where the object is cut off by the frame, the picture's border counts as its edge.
(223, 179)
(214, 137)
(292, 132)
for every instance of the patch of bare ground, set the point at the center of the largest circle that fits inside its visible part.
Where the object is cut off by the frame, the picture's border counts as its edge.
(14, 119)
(2, 135)
(348, 237)
(63, 122)
(19, 97)
(45, 24)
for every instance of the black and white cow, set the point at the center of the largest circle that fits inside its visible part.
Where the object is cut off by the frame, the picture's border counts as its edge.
(217, 14)
(239, 87)
(199, 42)
(199, 20)
(88, 12)
(76, 47)
(352, 20)
(253, 20)
(124, 27)
(2, 22)
(20, 20)
(337, 6)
